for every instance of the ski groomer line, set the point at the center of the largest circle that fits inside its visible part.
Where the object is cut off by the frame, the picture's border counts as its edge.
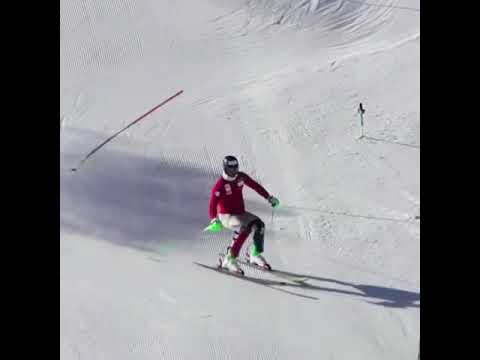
(227, 210)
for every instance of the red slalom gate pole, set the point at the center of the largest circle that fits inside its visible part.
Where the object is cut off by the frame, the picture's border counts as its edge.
(98, 147)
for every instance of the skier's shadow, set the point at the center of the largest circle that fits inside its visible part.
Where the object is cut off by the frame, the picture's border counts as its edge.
(154, 204)
(378, 295)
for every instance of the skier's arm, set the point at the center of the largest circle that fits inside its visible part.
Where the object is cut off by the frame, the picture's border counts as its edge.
(214, 198)
(256, 186)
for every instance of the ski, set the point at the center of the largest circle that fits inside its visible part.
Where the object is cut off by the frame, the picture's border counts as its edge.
(277, 273)
(267, 283)
(239, 276)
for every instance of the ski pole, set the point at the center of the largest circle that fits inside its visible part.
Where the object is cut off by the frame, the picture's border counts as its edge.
(273, 209)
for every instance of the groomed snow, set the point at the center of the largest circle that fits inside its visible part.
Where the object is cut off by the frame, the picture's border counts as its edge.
(276, 83)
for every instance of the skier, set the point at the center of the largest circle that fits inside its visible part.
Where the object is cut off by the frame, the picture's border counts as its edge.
(227, 209)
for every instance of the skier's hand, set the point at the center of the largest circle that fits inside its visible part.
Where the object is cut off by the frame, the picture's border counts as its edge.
(273, 201)
(215, 220)
(214, 226)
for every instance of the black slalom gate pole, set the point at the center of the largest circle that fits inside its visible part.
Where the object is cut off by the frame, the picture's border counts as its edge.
(361, 111)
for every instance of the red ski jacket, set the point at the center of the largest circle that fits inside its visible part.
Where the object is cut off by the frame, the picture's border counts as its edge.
(227, 195)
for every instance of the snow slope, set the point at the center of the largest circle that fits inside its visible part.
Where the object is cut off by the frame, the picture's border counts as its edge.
(276, 83)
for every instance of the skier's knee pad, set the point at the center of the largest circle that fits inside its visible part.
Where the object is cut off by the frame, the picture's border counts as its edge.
(244, 229)
(258, 226)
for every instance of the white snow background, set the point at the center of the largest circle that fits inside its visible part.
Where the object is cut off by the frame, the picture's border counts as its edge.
(276, 83)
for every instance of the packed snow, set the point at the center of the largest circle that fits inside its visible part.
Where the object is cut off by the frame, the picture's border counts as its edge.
(276, 83)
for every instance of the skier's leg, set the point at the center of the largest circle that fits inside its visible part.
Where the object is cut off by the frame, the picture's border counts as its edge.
(258, 236)
(254, 256)
(256, 225)
(250, 222)
(239, 226)
(226, 220)
(231, 222)
(238, 240)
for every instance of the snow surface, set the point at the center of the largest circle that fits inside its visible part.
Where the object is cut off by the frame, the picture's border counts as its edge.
(276, 83)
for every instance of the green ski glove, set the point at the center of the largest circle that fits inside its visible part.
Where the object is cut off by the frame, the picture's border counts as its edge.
(273, 201)
(215, 226)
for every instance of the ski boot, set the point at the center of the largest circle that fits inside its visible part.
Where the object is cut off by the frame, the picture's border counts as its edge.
(229, 263)
(258, 260)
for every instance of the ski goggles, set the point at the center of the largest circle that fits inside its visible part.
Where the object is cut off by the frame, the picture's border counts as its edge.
(231, 167)
(231, 164)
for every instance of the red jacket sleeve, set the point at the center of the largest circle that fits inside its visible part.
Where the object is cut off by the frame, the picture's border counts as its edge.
(214, 198)
(256, 186)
